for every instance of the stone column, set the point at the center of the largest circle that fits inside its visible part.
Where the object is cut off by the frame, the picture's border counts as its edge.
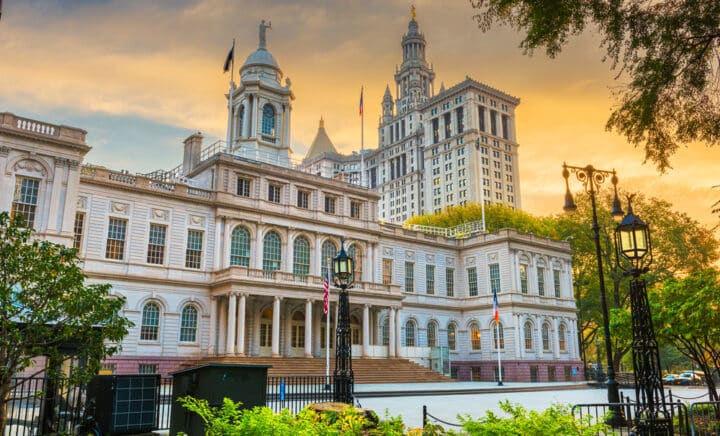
(518, 336)
(71, 197)
(398, 335)
(231, 324)
(246, 117)
(222, 325)
(276, 328)
(539, 343)
(241, 326)
(258, 255)
(366, 331)
(212, 331)
(391, 332)
(308, 328)
(556, 342)
(54, 203)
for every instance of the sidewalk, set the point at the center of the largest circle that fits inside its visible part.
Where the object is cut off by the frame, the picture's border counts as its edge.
(458, 388)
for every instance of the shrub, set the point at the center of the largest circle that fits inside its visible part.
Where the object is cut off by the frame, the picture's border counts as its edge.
(556, 420)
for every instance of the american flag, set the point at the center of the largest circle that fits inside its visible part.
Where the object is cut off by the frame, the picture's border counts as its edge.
(496, 314)
(326, 293)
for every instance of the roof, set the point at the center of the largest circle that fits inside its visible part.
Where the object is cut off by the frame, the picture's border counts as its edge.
(322, 143)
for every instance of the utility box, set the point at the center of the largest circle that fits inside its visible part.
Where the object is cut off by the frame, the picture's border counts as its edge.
(214, 382)
(125, 404)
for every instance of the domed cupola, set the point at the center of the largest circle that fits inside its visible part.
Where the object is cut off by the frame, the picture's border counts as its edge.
(261, 62)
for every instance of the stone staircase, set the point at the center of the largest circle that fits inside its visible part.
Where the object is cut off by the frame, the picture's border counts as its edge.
(364, 370)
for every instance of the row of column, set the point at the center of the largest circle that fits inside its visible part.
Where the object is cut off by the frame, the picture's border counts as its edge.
(234, 320)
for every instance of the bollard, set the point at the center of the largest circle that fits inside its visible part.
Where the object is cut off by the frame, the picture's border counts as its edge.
(424, 421)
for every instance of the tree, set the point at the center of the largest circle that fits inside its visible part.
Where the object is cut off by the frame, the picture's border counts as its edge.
(685, 313)
(667, 51)
(45, 307)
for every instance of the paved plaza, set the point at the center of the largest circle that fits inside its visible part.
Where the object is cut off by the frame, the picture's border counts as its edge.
(447, 407)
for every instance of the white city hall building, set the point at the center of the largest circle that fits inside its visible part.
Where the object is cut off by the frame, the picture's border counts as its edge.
(224, 256)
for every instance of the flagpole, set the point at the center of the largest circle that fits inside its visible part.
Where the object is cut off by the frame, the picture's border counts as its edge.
(362, 139)
(497, 332)
(230, 100)
(327, 334)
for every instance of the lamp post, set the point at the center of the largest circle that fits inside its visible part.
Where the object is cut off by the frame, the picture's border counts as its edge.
(592, 179)
(632, 238)
(343, 374)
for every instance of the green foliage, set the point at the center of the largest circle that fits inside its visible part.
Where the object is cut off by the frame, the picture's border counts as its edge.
(685, 313)
(46, 305)
(496, 217)
(666, 53)
(556, 420)
(230, 420)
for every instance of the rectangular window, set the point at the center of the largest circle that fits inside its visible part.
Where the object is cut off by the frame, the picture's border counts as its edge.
(25, 199)
(243, 187)
(78, 230)
(303, 199)
(387, 271)
(430, 279)
(147, 368)
(107, 369)
(505, 121)
(481, 117)
(449, 282)
(355, 209)
(460, 119)
(495, 277)
(115, 248)
(409, 277)
(472, 281)
(493, 122)
(541, 280)
(274, 193)
(435, 130)
(156, 244)
(556, 282)
(193, 253)
(448, 125)
(330, 204)
(523, 279)
(475, 373)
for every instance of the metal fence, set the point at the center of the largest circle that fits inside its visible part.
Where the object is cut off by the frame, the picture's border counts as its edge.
(37, 404)
(296, 392)
(676, 420)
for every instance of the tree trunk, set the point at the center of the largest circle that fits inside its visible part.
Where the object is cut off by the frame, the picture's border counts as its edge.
(4, 396)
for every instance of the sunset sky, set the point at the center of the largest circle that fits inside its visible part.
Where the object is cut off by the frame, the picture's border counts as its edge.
(140, 76)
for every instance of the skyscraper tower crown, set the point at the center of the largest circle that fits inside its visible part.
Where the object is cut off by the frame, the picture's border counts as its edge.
(415, 77)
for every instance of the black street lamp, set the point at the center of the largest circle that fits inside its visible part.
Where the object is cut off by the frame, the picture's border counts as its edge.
(632, 238)
(344, 380)
(592, 179)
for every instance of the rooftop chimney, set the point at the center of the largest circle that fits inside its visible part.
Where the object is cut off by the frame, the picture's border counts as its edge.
(193, 147)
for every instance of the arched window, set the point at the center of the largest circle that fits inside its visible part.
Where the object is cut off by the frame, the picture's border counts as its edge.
(385, 331)
(527, 333)
(188, 324)
(546, 337)
(451, 337)
(268, 120)
(328, 251)
(562, 337)
(271, 251)
(475, 336)
(410, 333)
(432, 334)
(240, 247)
(150, 322)
(356, 253)
(498, 334)
(301, 256)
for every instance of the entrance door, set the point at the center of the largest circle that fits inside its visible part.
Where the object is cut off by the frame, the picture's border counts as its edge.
(297, 335)
(266, 332)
